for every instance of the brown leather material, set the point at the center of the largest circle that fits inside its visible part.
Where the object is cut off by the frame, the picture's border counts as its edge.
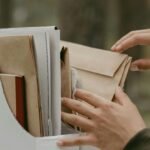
(99, 71)
(14, 91)
(20, 102)
(65, 76)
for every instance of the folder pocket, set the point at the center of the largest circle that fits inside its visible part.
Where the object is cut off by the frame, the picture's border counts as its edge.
(14, 90)
(99, 71)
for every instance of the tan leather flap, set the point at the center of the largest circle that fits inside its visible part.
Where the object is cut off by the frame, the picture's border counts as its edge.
(94, 60)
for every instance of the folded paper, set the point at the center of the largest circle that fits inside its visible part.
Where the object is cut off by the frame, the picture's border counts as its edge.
(17, 57)
(99, 71)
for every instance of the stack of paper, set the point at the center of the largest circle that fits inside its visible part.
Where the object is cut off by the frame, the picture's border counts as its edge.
(43, 105)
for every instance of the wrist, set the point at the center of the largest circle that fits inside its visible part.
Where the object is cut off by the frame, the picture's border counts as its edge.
(135, 139)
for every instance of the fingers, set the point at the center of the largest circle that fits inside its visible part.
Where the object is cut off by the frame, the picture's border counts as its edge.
(79, 107)
(127, 36)
(141, 64)
(121, 97)
(79, 121)
(76, 141)
(90, 98)
(133, 38)
(141, 37)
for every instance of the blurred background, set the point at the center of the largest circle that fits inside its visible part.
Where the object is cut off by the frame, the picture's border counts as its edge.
(96, 23)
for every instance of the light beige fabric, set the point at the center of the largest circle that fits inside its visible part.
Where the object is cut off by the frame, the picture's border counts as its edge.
(99, 71)
(17, 57)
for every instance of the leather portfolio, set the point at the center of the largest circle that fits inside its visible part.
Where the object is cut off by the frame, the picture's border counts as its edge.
(17, 57)
(98, 71)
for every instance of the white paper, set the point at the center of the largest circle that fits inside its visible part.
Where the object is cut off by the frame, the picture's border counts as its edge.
(46, 41)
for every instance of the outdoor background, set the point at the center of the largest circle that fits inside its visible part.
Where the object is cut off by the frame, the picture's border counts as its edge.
(97, 23)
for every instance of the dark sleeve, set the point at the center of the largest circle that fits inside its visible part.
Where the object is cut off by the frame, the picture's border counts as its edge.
(141, 141)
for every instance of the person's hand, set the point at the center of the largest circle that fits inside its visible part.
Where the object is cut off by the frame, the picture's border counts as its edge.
(108, 125)
(140, 37)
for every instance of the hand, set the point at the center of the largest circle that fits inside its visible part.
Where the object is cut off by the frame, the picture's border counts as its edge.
(108, 125)
(141, 37)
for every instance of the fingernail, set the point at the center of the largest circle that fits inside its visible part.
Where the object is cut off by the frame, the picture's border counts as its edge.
(119, 88)
(134, 68)
(59, 143)
(118, 47)
(113, 47)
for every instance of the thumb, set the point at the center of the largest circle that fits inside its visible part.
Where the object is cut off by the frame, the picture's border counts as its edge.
(121, 97)
(141, 64)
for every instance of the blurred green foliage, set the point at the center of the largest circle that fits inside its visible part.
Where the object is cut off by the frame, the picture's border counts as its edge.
(97, 23)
